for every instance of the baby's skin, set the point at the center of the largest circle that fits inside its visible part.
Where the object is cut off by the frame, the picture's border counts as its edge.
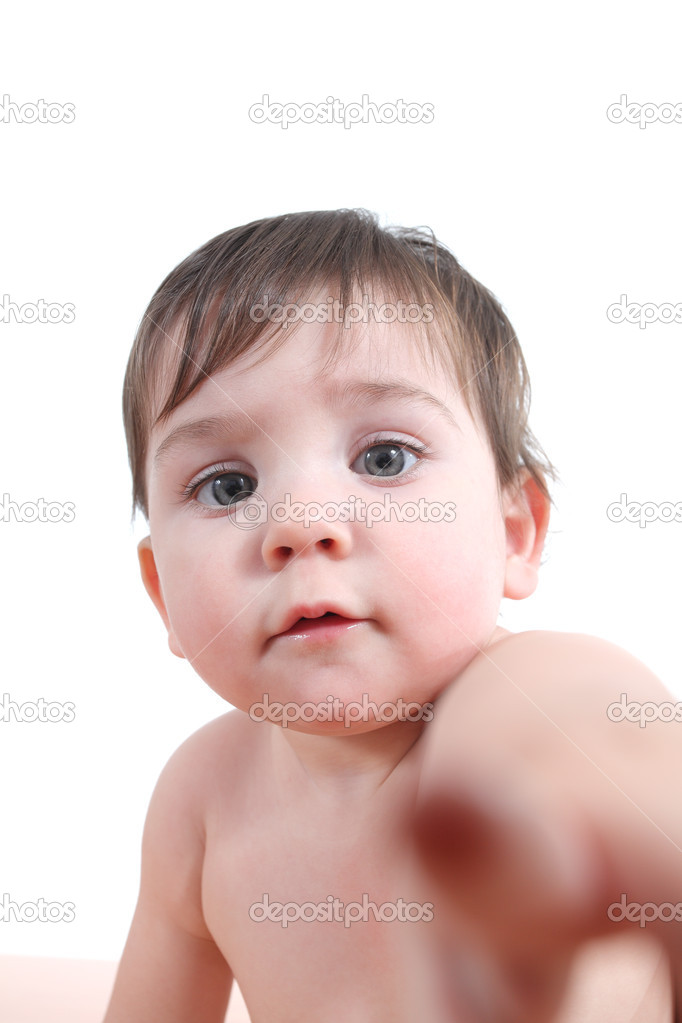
(497, 819)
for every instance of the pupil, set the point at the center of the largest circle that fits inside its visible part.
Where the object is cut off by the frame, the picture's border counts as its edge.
(227, 488)
(384, 460)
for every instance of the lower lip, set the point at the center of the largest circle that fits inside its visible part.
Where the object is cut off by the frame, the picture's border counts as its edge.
(321, 629)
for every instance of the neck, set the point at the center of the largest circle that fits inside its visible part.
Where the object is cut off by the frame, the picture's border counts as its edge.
(349, 764)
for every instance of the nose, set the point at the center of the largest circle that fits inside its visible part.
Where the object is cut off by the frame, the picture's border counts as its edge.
(300, 529)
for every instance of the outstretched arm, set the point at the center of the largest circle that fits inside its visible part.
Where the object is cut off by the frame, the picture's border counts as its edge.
(539, 813)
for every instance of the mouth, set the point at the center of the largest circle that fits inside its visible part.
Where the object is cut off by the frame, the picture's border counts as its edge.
(318, 621)
(326, 619)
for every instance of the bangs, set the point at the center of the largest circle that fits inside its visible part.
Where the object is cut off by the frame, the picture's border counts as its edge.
(230, 313)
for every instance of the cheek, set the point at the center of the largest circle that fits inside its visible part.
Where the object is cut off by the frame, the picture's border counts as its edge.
(204, 597)
(207, 614)
(449, 574)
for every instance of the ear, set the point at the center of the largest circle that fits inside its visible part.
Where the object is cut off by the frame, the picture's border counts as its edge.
(152, 584)
(526, 517)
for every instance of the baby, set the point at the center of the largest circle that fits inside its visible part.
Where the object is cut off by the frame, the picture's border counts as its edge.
(411, 814)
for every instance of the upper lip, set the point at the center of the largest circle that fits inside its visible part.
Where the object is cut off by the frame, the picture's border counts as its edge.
(311, 611)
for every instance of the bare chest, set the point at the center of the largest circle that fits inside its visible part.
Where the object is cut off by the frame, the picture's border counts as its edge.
(311, 916)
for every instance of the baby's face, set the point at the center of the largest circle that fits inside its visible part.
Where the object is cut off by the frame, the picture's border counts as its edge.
(416, 591)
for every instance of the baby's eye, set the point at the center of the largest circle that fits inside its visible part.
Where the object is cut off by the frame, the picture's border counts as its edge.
(225, 489)
(388, 459)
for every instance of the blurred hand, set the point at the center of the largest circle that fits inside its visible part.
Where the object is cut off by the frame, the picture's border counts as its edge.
(542, 823)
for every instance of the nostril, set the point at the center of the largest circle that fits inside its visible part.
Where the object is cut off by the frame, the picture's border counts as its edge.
(326, 542)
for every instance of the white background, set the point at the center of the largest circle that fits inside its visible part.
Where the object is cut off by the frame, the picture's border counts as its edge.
(521, 173)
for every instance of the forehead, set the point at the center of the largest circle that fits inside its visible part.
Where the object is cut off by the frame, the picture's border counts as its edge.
(320, 364)
(202, 338)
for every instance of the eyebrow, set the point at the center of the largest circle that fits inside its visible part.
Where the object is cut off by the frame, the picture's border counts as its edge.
(236, 422)
(337, 396)
(366, 392)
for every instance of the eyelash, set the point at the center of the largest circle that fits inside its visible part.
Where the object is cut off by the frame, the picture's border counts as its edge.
(219, 468)
(414, 448)
(212, 472)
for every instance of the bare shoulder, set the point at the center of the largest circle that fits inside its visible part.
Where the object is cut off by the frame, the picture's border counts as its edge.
(195, 785)
(542, 662)
(553, 643)
(537, 686)
(212, 748)
(202, 762)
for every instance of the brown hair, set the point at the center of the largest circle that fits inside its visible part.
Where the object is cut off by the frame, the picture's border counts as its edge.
(201, 319)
